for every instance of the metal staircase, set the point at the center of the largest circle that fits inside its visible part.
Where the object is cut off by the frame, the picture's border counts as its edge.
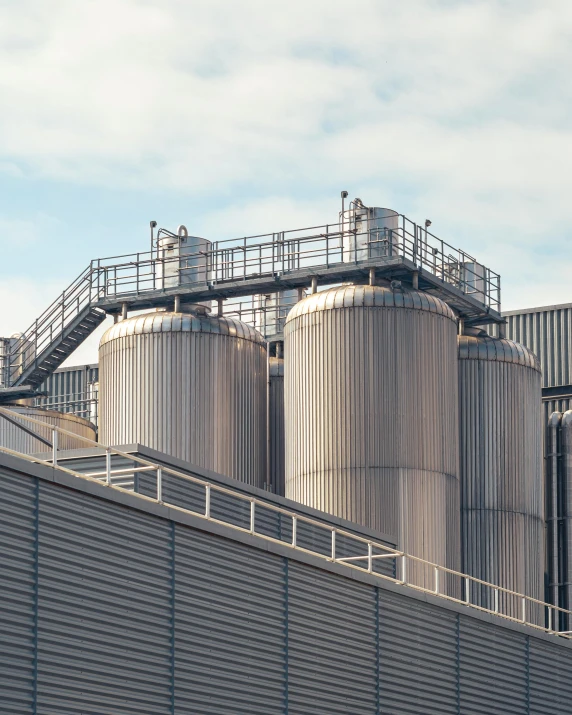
(32, 356)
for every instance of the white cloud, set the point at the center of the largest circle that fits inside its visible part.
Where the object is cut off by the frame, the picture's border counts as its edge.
(457, 110)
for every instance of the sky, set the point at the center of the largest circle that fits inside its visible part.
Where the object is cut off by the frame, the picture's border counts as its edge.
(238, 117)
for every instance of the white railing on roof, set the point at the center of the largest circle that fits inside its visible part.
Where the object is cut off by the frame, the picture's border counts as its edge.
(256, 516)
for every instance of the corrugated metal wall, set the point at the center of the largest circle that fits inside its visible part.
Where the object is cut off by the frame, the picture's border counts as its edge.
(548, 333)
(110, 610)
(71, 389)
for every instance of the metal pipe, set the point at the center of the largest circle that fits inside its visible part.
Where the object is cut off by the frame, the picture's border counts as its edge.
(268, 424)
(177, 307)
(552, 506)
(502, 330)
(219, 305)
(372, 276)
(300, 294)
(115, 317)
(279, 350)
(314, 284)
(566, 508)
(123, 311)
(415, 280)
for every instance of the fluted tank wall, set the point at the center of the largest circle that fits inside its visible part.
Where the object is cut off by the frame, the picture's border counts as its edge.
(502, 495)
(15, 438)
(276, 423)
(190, 385)
(372, 415)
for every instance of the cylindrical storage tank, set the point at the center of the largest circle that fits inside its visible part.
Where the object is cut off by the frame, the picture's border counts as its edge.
(502, 494)
(371, 415)
(369, 232)
(191, 385)
(276, 423)
(17, 439)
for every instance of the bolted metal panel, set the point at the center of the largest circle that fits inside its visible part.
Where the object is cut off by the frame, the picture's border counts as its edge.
(190, 385)
(371, 414)
(18, 556)
(548, 333)
(105, 608)
(550, 680)
(502, 495)
(332, 650)
(276, 424)
(18, 440)
(423, 636)
(230, 615)
(493, 676)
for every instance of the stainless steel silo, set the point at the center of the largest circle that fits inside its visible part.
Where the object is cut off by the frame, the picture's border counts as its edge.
(371, 414)
(369, 232)
(276, 424)
(502, 495)
(12, 437)
(191, 385)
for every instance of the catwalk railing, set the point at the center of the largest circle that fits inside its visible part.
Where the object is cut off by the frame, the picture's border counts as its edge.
(265, 520)
(109, 281)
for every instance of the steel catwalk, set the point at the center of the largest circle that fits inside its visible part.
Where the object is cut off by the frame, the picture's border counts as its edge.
(502, 495)
(276, 423)
(14, 438)
(188, 384)
(371, 406)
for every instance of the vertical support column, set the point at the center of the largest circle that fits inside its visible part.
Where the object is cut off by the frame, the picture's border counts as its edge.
(177, 306)
(314, 284)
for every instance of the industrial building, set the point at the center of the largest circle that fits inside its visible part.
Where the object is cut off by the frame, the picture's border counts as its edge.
(307, 475)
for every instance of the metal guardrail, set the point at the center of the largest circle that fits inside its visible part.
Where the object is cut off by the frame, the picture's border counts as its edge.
(275, 255)
(253, 515)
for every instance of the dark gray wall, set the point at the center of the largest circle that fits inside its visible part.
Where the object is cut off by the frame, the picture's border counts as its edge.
(112, 605)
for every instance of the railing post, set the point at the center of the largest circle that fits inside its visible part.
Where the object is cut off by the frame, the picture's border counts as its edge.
(404, 569)
(467, 591)
(252, 516)
(55, 447)
(549, 618)
(208, 501)
(294, 530)
(369, 557)
(436, 579)
(524, 609)
(159, 485)
(496, 600)
(333, 544)
(108, 465)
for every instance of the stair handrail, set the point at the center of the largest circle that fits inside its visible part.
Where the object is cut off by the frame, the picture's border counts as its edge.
(51, 323)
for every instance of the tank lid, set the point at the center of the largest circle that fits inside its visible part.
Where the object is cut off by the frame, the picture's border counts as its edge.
(365, 296)
(485, 347)
(39, 412)
(181, 323)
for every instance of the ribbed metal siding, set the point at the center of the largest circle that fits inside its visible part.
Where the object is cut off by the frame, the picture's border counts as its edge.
(417, 657)
(105, 608)
(15, 438)
(371, 414)
(192, 387)
(68, 390)
(502, 495)
(17, 594)
(332, 649)
(230, 617)
(276, 422)
(548, 333)
(550, 680)
(493, 670)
